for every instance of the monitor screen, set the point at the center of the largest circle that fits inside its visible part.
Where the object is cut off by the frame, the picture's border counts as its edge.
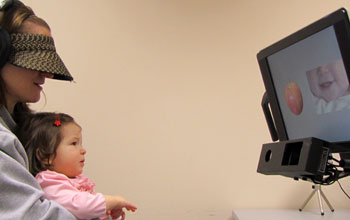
(306, 77)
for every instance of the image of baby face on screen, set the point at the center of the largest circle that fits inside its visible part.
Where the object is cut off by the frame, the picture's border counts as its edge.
(329, 81)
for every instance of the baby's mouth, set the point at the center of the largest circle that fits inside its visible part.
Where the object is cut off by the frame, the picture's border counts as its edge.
(326, 85)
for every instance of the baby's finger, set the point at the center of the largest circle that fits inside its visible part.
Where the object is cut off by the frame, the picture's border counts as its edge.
(116, 213)
(123, 215)
(131, 207)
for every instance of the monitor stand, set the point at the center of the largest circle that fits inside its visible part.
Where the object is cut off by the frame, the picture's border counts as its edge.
(320, 194)
(269, 164)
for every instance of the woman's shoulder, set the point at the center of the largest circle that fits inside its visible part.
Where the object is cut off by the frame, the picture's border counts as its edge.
(4, 131)
(6, 137)
(10, 145)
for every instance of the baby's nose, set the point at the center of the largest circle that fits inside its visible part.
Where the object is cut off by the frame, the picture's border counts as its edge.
(83, 151)
(323, 70)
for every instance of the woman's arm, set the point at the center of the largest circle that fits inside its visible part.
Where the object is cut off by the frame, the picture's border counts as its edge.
(21, 196)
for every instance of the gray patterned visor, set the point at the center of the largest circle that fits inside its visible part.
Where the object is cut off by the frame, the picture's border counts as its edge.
(37, 52)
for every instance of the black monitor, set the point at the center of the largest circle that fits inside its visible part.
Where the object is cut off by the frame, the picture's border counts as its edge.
(306, 76)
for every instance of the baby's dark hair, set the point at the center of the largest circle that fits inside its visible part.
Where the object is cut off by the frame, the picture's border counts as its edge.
(40, 134)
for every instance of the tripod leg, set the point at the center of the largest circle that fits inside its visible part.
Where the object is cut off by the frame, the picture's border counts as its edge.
(320, 200)
(308, 199)
(325, 199)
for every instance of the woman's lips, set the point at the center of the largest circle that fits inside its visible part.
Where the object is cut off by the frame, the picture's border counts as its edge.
(39, 85)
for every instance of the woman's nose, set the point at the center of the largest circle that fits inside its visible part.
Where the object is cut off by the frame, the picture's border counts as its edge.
(46, 75)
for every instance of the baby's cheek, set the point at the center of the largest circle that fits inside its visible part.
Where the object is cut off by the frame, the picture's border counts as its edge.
(294, 98)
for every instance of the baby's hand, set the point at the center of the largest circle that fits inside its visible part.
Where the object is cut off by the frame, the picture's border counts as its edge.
(121, 203)
(130, 207)
(116, 204)
(116, 213)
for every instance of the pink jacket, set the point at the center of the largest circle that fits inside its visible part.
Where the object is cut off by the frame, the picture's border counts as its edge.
(77, 194)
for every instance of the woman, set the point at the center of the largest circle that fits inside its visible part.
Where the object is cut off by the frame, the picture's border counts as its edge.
(31, 59)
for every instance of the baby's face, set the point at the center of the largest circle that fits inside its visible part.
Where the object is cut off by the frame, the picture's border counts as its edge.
(329, 81)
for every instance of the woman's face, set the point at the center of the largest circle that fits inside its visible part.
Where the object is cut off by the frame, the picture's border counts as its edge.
(23, 85)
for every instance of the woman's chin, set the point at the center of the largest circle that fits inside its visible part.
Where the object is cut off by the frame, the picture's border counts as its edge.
(34, 99)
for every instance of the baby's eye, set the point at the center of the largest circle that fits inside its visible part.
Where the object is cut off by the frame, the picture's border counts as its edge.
(74, 143)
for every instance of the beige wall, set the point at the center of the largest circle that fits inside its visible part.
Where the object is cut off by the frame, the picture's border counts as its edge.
(168, 94)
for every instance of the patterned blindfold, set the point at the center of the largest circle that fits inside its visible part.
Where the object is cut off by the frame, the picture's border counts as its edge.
(37, 52)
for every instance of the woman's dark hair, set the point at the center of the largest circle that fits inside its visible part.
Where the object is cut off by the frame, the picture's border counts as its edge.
(40, 134)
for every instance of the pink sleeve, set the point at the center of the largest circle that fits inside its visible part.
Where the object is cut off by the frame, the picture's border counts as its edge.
(84, 205)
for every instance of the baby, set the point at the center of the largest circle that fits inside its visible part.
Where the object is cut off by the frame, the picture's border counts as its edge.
(53, 142)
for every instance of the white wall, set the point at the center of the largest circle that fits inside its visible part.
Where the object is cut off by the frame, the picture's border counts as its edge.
(168, 94)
